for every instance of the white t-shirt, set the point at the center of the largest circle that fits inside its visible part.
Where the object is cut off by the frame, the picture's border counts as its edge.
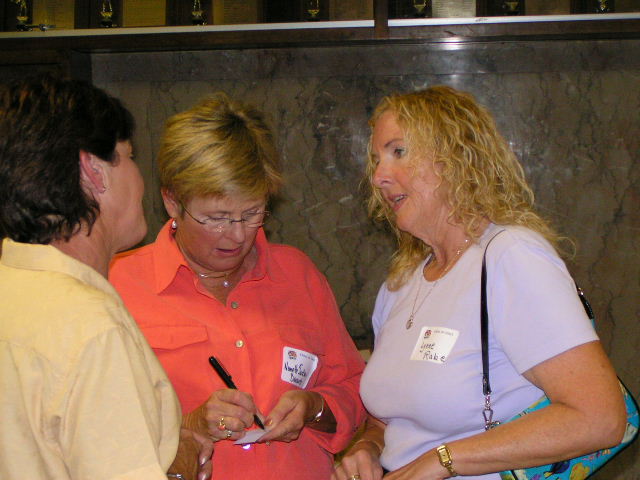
(425, 382)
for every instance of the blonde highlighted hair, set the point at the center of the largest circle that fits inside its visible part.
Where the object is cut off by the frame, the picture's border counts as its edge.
(219, 148)
(481, 177)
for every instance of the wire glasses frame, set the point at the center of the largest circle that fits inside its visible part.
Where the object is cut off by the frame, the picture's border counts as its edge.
(220, 224)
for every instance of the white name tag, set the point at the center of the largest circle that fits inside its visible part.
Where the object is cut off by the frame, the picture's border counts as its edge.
(434, 344)
(297, 366)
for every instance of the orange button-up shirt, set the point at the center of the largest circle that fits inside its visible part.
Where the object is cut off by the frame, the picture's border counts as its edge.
(283, 302)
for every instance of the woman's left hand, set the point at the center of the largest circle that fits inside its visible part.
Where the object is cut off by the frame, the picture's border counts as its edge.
(194, 456)
(289, 416)
(425, 467)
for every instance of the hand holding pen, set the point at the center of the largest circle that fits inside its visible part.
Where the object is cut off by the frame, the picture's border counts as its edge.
(228, 381)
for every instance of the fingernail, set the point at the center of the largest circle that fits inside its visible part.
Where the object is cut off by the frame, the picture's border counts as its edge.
(268, 423)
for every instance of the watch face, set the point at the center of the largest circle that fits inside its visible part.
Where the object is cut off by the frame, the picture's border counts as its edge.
(443, 452)
(444, 455)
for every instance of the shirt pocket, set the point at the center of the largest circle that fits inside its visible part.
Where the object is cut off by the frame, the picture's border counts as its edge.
(302, 338)
(173, 337)
(306, 340)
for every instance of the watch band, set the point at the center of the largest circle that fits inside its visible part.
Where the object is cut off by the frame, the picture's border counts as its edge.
(318, 415)
(446, 460)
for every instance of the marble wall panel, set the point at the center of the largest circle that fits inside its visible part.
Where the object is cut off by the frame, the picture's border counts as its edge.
(569, 110)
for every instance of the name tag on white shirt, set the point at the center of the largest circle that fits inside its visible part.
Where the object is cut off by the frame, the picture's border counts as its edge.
(297, 366)
(434, 344)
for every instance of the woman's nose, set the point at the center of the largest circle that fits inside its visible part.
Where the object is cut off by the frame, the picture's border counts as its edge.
(237, 231)
(381, 175)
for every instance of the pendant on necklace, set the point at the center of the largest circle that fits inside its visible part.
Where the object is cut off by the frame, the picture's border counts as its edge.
(226, 283)
(409, 323)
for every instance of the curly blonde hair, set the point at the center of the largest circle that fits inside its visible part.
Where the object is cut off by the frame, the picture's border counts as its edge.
(481, 177)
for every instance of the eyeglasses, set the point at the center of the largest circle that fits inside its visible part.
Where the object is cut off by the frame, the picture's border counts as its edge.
(220, 224)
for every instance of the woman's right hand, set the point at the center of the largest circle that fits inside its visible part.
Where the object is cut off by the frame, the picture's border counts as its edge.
(362, 461)
(225, 416)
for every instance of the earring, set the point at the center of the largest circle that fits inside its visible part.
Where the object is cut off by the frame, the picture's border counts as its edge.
(174, 225)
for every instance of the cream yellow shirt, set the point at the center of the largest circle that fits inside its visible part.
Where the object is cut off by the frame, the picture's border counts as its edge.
(82, 396)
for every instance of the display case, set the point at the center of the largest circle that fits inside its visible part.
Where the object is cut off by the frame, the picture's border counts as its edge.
(82, 14)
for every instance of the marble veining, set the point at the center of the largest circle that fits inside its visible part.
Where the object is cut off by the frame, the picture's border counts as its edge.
(569, 110)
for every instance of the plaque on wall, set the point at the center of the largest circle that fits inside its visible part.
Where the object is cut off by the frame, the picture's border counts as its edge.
(226, 12)
(351, 10)
(54, 12)
(144, 13)
(548, 7)
(453, 8)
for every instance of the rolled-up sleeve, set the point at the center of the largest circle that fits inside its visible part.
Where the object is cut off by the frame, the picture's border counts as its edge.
(339, 380)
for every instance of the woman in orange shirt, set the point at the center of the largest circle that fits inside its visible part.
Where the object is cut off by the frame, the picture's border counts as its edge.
(212, 285)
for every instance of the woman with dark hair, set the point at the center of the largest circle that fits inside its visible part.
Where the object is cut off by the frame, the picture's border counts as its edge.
(83, 395)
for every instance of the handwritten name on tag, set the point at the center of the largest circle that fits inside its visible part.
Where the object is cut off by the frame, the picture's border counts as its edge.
(434, 344)
(297, 366)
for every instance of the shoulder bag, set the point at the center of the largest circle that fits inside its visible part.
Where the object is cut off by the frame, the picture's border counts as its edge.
(571, 469)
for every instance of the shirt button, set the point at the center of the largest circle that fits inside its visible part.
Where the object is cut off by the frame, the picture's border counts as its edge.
(234, 305)
(239, 343)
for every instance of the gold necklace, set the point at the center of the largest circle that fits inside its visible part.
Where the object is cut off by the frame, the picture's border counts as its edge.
(415, 310)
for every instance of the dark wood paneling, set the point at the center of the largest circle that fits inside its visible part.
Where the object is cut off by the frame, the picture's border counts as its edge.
(15, 63)
(282, 11)
(381, 18)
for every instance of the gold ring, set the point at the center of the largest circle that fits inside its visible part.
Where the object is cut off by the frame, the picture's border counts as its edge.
(221, 425)
(229, 433)
(355, 476)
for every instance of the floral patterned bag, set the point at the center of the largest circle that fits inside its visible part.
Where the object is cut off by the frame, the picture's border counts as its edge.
(573, 469)
(580, 467)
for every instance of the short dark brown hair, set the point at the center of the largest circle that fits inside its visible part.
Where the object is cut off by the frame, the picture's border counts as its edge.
(45, 122)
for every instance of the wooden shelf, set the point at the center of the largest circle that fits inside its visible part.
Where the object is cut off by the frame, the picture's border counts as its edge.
(69, 52)
(570, 27)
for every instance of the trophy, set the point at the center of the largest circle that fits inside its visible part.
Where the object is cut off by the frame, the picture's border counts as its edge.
(420, 7)
(23, 16)
(313, 9)
(197, 14)
(106, 14)
(603, 6)
(511, 7)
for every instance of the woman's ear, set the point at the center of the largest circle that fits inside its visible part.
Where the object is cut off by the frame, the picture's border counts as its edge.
(170, 203)
(92, 172)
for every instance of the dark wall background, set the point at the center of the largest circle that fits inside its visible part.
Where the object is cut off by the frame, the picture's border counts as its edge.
(569, 109)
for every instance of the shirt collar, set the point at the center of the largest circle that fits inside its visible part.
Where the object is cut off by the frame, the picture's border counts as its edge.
(38, 257)
(168, 260)
(265, 265)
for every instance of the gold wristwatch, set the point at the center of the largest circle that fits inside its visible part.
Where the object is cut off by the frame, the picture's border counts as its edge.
(316, 418)
(444, 455)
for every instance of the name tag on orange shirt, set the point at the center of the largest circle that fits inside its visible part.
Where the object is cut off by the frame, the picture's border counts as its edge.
(297, 366)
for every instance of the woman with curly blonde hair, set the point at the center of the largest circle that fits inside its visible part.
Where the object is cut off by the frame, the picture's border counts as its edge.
(447, 182)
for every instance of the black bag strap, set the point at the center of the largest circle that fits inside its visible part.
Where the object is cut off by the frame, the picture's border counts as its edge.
(484, 321)
(484, 333)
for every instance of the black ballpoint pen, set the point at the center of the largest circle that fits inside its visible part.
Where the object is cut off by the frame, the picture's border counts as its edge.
(226, 378)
